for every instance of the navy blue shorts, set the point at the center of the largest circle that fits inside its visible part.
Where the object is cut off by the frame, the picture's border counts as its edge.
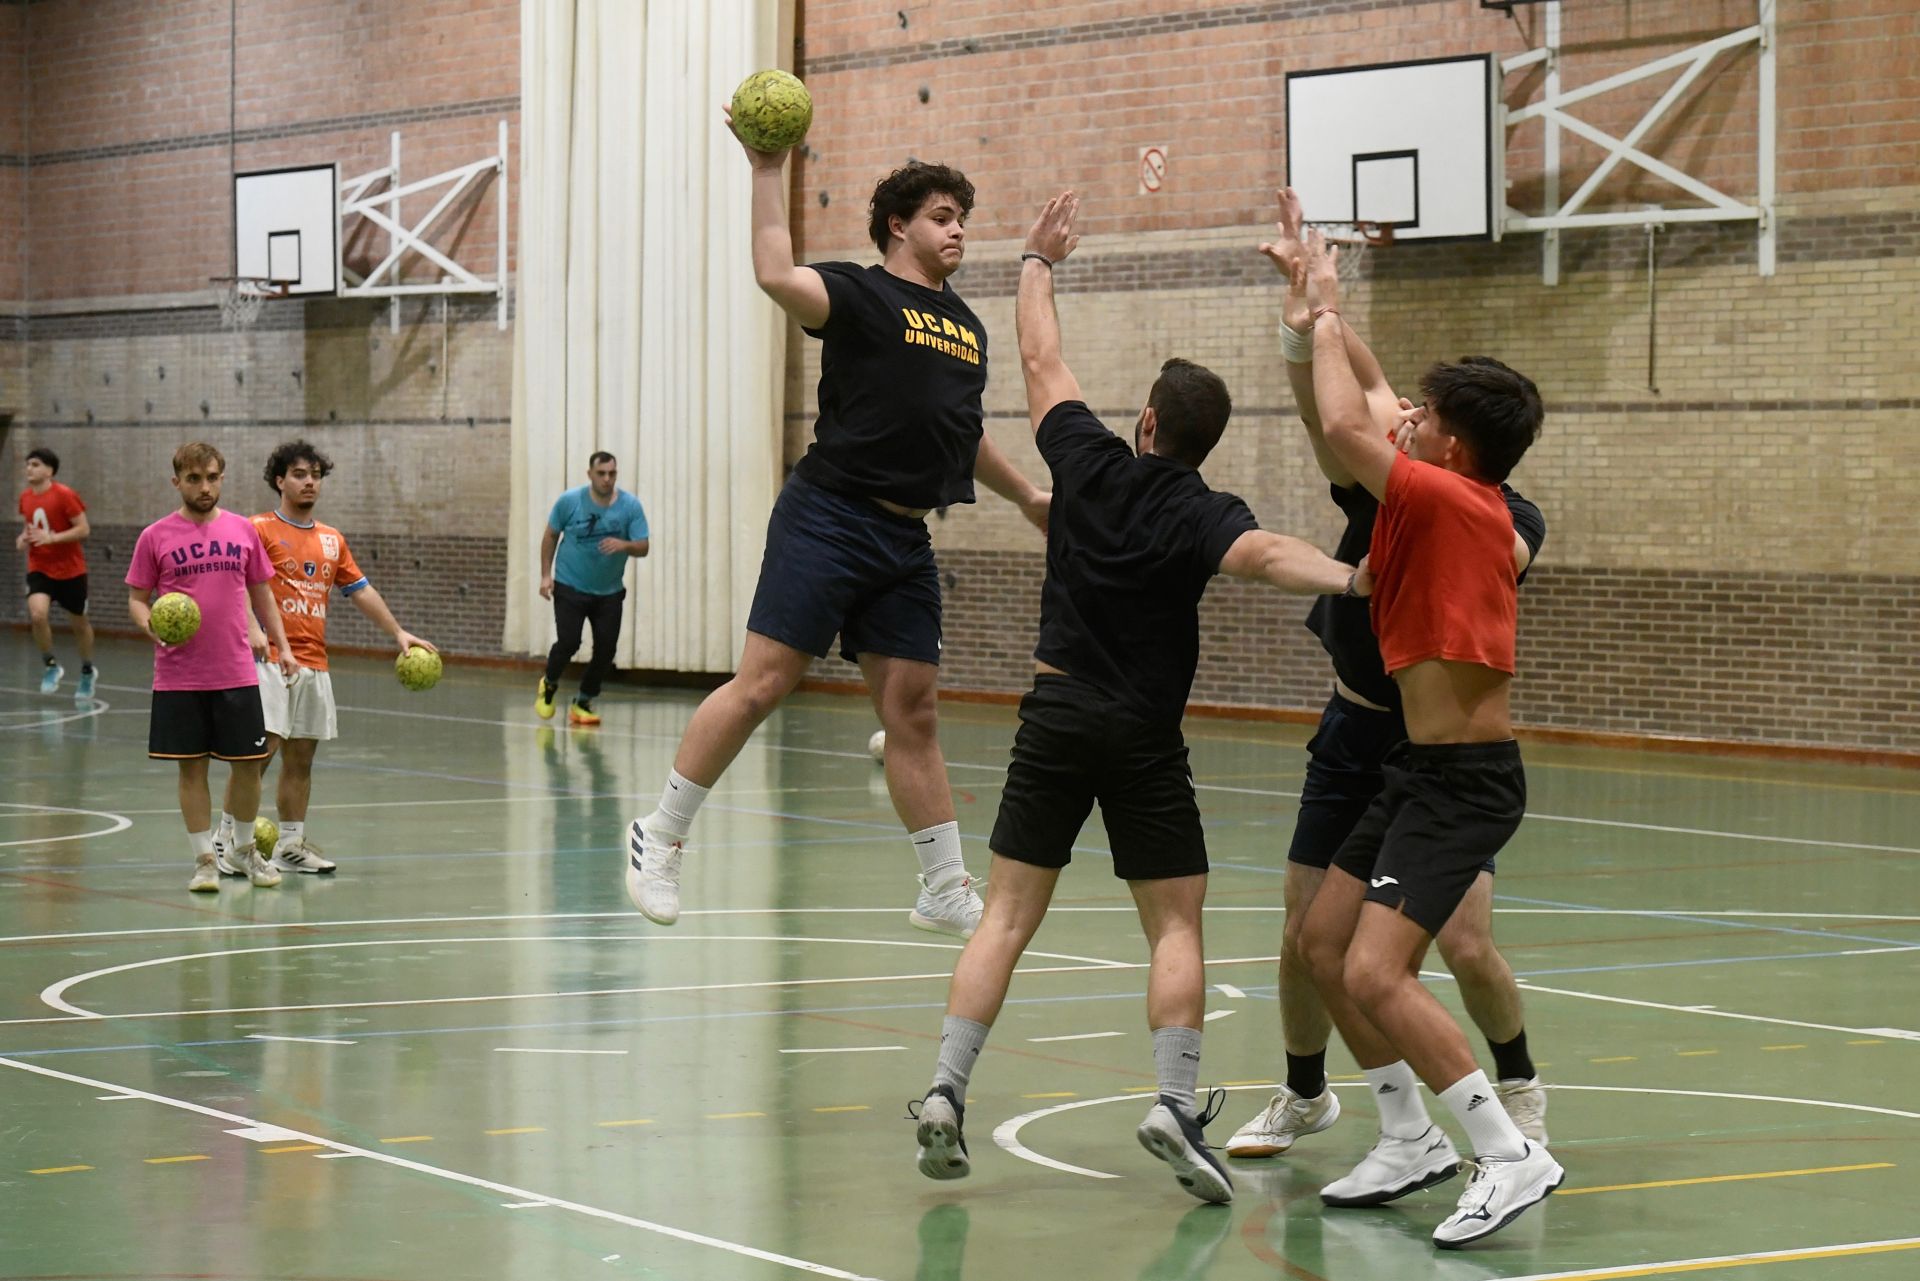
(842, 565)
(1344, 775)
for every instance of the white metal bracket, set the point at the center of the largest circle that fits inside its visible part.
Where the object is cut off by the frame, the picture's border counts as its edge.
(381, 208)
(1716, 206)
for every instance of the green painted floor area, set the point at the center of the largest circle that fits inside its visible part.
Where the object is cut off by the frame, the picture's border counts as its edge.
(463, 1055)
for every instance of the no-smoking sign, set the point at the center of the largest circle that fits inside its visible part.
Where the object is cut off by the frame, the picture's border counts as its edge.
(1153, 169)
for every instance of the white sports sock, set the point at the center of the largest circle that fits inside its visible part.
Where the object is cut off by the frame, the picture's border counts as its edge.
(201, 843)
(679, 802)
(1489, 1128)
(1396, 1092)
(938, 849)
(226, 828)
(290, 834)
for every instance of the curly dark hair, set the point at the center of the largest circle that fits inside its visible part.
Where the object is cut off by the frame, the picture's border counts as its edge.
(283, 458)
(901, 193)
(1190, 409)
(1495, 410)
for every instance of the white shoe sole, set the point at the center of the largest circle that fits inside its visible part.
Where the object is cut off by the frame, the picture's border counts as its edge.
(658, 917)
(940, 1154)
(1540, 1192)
(281, 865)
(1160, 1135)
(1424, 1178)
(939, 925)
(1273, 1147)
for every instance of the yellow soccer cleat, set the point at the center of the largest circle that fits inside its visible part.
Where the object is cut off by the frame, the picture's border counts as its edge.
(543, 702)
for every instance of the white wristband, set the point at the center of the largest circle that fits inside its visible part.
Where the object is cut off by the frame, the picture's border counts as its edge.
(1296, 346)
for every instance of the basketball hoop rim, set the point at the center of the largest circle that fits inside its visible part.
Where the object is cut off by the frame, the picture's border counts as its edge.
(253, 286)
(1371, 234)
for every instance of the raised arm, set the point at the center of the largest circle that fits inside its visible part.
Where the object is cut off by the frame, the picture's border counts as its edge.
(1289, 564)
(800, 291)
(1049, 241)
(1360, 441)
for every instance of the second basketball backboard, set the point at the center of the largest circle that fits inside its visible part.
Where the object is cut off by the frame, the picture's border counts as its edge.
(1407, 143)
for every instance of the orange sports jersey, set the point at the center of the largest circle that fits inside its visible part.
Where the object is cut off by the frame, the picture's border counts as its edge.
(309, 562)
(1443, 576)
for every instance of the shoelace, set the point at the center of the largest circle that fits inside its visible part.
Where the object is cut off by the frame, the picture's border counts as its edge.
(1216, 1099)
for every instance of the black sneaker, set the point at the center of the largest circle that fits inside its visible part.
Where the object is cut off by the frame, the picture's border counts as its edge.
(943, 1149)
(1181, 1141)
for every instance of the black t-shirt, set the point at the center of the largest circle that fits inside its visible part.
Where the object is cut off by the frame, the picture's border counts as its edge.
(901, 372)
(1343, 624)
(1131, 545)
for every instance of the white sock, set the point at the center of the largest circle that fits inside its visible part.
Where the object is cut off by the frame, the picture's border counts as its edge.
(1489, 1128)
(679, 802)
(226, 829)
(289, 835)
(1396, 1092)
(938, 849)
(201, 843)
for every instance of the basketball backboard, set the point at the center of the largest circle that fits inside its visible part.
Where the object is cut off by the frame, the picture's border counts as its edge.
(286, 227)
(1407, 143)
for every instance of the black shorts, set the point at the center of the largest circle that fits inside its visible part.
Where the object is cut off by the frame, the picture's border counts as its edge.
(1446, 810)
(1344, 760)
(69, 594)
(224, 723)
(1076, 746)
(842, 565)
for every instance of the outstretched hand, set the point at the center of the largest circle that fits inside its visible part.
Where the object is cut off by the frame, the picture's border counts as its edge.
(1322, 272)
(1286, 249)
(758, 159)
(1052, 235)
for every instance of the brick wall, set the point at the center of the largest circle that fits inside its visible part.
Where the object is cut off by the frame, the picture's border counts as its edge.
(1731, 555)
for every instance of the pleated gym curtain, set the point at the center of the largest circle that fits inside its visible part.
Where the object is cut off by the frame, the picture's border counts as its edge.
(638, 328)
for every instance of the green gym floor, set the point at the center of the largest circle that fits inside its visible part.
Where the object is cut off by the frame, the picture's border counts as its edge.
(464, 1056)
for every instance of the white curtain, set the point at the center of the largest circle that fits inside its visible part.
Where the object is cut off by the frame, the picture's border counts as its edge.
(639, 329)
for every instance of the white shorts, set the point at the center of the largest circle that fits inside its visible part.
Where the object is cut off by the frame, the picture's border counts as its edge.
(301, 710)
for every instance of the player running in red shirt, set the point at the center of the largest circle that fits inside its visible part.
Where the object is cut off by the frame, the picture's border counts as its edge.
(56, 525)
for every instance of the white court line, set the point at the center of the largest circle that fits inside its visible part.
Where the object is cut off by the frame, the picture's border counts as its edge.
(1725, 1260)
(236, 926)
(517, 1049)
(1688, 1009)
(1007, 1133)
(454, 1176)
(120, 823)
(1229, 991)
(1216, 1015)
(95, 708)
(1077, 1036)
(845, 1049)
(1204, 787)
(303, 1040)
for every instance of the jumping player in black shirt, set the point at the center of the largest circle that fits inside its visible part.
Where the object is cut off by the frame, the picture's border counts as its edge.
(903, 363)
(1134, 537)
(1362, 723)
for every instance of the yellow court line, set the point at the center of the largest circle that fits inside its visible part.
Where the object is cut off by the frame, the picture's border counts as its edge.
(1224, 1083)
(60, 1169)
(1866, 1042)
(732, 1116)
(1053, 1094)
(1729, 1261)
(410, 1138)
(848, 1107)
(1783, 1047)
(1691, 1054)
(292, 1147)
(1727, 1178)
(645, 1120)
(1131, 1089)
(173, 1160)
(519, 1129)
(1618, 1058)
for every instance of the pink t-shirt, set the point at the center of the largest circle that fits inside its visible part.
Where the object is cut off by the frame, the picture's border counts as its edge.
(213, 563)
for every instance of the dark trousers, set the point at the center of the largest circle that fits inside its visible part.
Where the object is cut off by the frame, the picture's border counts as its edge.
(572, 609)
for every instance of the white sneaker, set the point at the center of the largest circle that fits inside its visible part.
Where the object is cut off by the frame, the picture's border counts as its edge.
(50, 677)
(1394, 1168)
(1526, 1103)
(954, 910)
(1286, 1118)
(1499, 1192)
(260, 871)
(227, 859)
(653, 875)
(298, 856)
(1178, 1139)
(206, 879)
(943, 1148)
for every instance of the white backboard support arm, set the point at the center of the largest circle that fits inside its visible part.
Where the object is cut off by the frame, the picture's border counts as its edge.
(381, 208)
(1552, 111)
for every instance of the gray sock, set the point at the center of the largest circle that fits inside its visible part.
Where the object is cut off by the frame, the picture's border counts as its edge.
(1176, 1059)
(960, 1042)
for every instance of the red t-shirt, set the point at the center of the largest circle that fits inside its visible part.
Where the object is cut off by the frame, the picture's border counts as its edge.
(1443, 576)
(54, 511)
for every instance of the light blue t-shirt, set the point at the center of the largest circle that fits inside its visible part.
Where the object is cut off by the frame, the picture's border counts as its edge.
(582, 523)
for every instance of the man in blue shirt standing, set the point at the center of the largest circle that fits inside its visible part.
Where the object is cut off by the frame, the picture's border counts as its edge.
(595, 528)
